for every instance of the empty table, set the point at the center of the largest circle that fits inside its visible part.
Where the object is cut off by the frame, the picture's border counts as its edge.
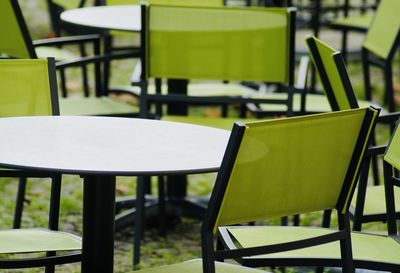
(100, 148)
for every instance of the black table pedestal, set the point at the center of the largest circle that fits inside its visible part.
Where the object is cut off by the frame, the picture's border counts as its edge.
(98, 224)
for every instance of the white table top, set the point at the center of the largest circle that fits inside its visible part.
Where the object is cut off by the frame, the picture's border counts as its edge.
(126, 18)
(104, 145)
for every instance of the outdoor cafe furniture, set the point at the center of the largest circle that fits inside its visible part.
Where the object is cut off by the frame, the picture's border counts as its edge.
(283, 178)
(81, 146)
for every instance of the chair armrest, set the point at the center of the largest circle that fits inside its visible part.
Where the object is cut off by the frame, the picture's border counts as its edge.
(390, 118)
(67, 40)
(376, 150)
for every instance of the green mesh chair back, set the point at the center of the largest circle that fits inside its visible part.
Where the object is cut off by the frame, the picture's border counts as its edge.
(282, 169)
(219, 43)
(332, 70)
(385, 29)
(28, 88)
(207, 3)
(15, 41)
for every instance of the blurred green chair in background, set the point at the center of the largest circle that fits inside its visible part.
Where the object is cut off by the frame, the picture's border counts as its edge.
(351, 22)
(29, 88)
(379, 48)
(216, 44)
(20, 45)
(265, 173)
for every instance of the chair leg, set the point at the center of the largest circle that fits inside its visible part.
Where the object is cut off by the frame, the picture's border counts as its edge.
(54, 213)
(19, 203)
(84, 69)
(107, 64)
(366, 74)
(389, 88)
(362, 190)
(326, 218)
(162, 217)
(345, 244)
(374, 164)
(139, 221)
(344, 45)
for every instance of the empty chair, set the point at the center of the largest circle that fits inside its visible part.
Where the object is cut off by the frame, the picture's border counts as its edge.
(265, 173)
(28, 88)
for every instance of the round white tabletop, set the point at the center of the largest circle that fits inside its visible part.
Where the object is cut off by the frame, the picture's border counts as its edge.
(126, 18)
(114, 146)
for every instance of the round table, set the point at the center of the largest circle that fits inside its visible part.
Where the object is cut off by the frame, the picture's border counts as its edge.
(100, 148)
(125, 18)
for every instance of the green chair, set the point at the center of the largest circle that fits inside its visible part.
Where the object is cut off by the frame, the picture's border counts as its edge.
(258, 47)
(367, 204)
(282, 178)
(20, 45)
(28, 88)
(379, 48)
(109, 39)
(353, 22)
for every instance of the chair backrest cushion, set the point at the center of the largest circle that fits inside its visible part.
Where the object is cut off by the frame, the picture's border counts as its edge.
(15, 40)
(293, 166)
(25, 88)
(219, 43)
(332, 70)
(384, 28)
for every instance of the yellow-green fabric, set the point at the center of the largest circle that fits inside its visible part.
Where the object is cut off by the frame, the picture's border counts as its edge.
(384, 29)
(362, 21)
(220, 123)
(67, 4)
(218, 43)
(12, 42)
(37, 240)
(24, 88)
(392, 154)
(290, 166)
(195, 266)
(207, 3)
(60, 54)
(326, 54)
(375, 200)
(365, 246)
(200, 89)
(95, 106)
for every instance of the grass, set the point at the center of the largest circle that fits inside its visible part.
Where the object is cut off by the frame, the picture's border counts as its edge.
(183, 240)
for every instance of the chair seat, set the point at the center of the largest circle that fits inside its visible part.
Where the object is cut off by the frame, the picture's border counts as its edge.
(60, 54)
(216, 122)
(201, 89)
(195, 266)
(366, 247)
(37, 240)
(96, 106)
(375, 201)
(361, 22)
